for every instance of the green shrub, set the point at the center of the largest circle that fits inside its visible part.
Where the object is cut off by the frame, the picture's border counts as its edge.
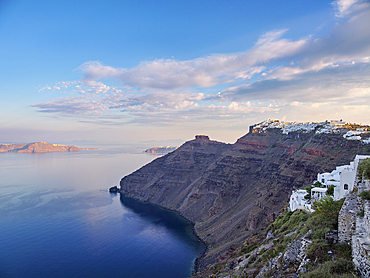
(319, 233)
(318, 222)
(318, 184)
(308, 189)
(343, 251)
(327, 211)
(318, 249)
(340, 268)
(249, 248)
(361, 213)
(253, 258)
(363, 170)
(280, 247)
(365, 195)
(330, 190)
(280, 221)
(288, 222)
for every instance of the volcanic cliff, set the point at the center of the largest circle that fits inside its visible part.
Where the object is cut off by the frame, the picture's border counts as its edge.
(232, 191)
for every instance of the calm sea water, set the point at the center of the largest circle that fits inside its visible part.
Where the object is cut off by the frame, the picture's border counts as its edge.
(58, 220)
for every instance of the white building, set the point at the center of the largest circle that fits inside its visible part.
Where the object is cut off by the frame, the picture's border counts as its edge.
(297, 200)
(344, 179)
(347, 183)
(317, 193)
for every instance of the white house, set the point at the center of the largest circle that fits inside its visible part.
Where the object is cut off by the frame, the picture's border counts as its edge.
(344, 179)
(317, 193)
(347, 183)
(297, 200)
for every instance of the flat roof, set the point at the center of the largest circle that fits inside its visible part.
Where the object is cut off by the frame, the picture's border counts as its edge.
(319, 189)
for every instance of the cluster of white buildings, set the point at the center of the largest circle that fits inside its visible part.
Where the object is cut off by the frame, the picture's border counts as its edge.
(344, 179)
(287, 127)
(355, 135)
(333, 126)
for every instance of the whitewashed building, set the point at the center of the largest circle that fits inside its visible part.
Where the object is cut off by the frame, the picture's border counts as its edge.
(318, 193)
(298, 201)
(344, 179)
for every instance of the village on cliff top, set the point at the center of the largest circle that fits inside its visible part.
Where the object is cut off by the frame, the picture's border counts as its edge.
(350, 131)
(341, 183)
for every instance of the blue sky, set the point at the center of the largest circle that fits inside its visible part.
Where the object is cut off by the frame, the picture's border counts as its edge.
(127, 71)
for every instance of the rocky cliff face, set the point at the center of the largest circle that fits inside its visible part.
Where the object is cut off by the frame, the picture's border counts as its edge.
(40, 147)
(231, 191)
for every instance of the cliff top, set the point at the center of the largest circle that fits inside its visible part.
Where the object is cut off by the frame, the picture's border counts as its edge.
(350, 131)
(201, 137)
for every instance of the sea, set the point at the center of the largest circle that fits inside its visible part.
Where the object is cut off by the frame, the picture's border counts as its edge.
(57, 219)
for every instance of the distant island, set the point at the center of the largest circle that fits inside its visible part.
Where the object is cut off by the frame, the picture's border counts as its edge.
(40, 147)
(161, 149)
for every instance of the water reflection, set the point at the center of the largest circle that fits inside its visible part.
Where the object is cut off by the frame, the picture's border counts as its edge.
(180, 227)
(56, 222)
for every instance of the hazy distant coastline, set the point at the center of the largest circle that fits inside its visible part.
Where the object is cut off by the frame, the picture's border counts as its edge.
(40, 147)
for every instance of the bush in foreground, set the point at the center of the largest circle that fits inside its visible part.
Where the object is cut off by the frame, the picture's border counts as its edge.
(342, 268)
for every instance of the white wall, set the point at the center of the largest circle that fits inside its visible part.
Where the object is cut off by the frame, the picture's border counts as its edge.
(297, 199)
(347, 177)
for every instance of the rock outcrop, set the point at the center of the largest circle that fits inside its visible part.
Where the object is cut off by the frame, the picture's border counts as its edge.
(161, 149)
(114, 189)
(232, 191)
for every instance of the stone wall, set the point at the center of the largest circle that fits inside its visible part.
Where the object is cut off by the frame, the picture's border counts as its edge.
(347, 219)
(361, 242)
(367, 216)
(356, 229)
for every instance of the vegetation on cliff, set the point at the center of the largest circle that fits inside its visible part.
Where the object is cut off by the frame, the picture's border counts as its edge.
(363, 171)
(295, 243)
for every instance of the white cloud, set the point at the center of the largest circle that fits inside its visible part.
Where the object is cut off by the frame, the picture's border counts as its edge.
(325, 74)
(331, 67)
(71, 106)
(346, 7)
(206, 71)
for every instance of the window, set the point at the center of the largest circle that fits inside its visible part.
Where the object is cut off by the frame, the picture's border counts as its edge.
(323, 180)
(345, 186)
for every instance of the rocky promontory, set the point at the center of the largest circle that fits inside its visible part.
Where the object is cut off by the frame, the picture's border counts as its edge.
(39, 147)
(161, 149)
(233, 191)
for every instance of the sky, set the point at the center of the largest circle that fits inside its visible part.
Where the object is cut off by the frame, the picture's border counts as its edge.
(129, 71)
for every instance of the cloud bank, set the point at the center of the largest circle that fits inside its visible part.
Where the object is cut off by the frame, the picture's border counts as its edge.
(276, 77)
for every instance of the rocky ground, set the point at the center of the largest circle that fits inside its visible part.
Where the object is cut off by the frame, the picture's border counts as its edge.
(295, 245)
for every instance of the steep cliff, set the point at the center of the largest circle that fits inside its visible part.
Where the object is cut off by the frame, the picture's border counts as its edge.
(231, 191)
